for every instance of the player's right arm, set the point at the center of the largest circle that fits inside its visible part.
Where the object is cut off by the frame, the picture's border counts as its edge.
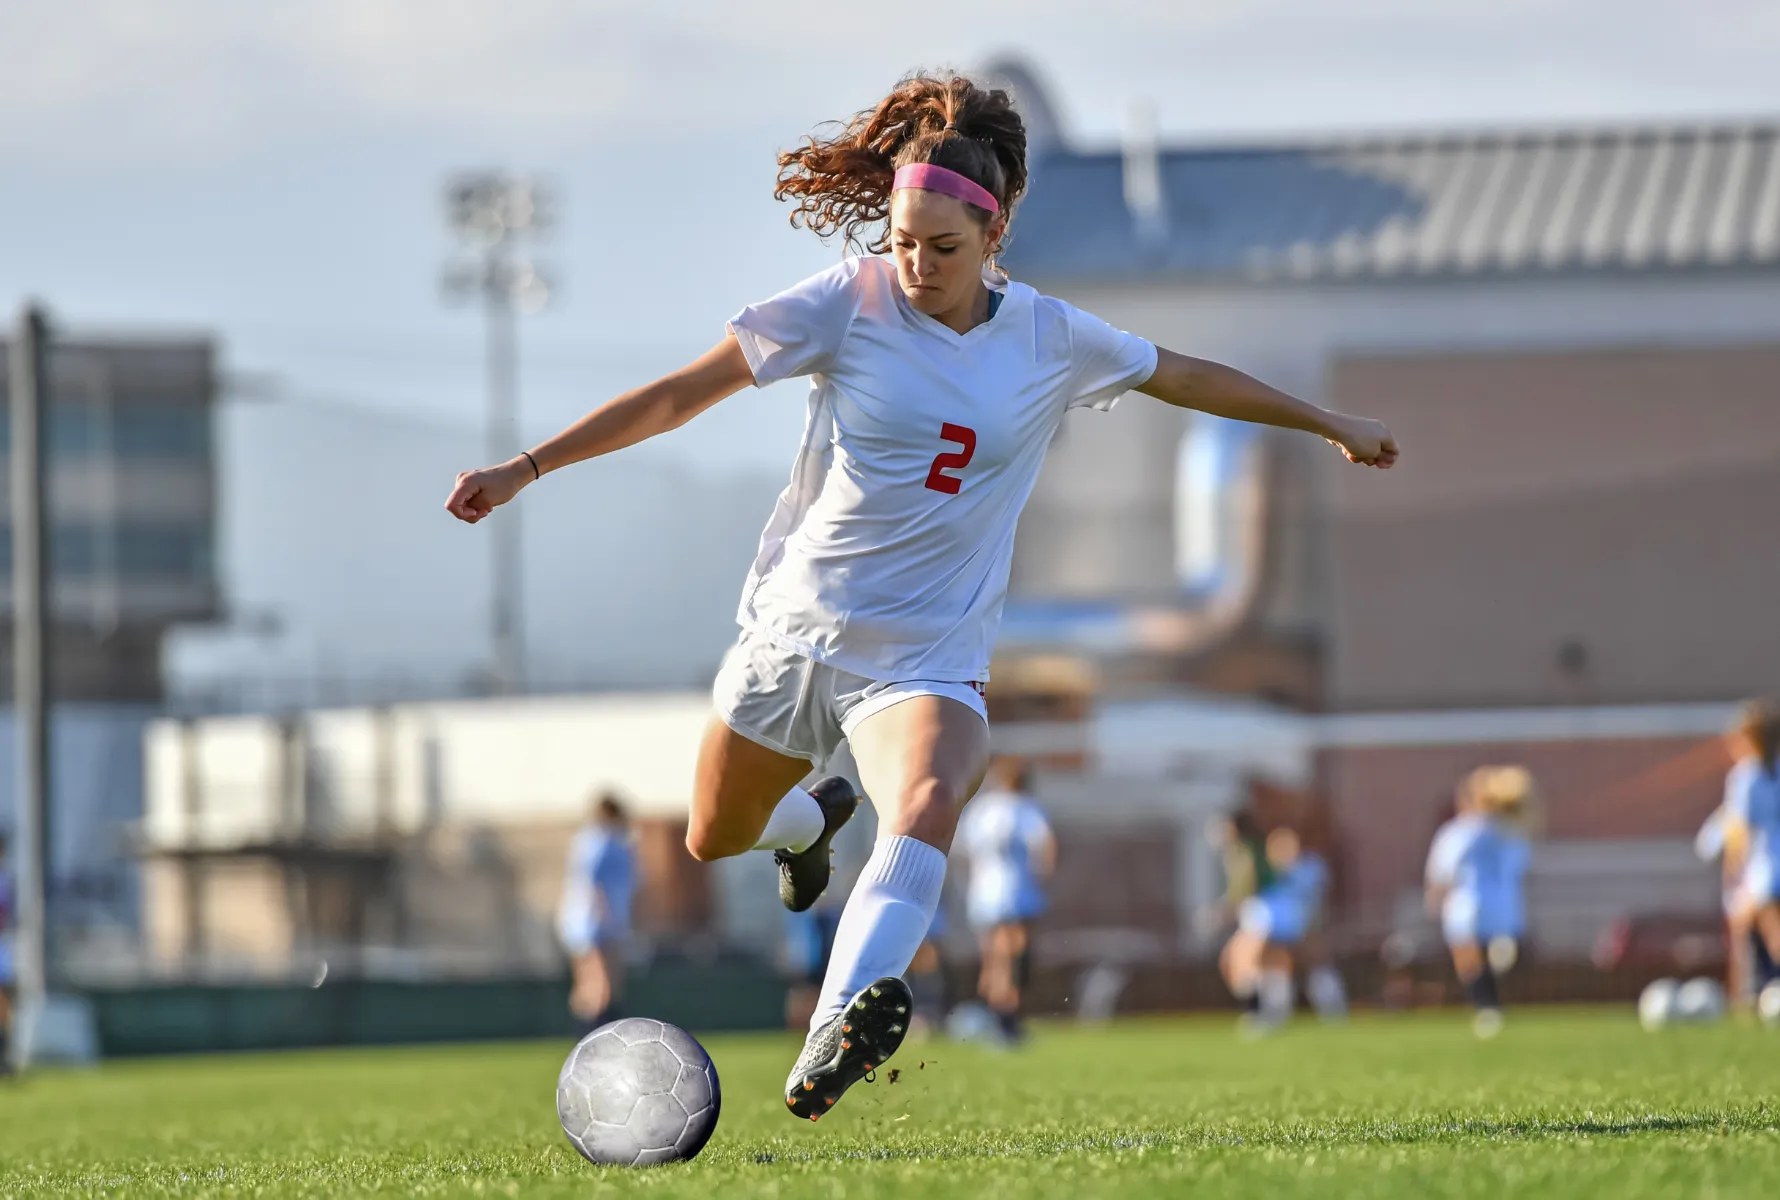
(636, 416)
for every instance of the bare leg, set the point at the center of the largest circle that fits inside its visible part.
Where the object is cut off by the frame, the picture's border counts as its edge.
(735, 789)
(919, 760)
(592, 993)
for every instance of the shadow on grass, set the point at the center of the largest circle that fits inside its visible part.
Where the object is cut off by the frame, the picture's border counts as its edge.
(1361, 1133)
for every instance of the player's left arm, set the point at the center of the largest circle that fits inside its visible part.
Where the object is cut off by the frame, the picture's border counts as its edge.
(1222, 391)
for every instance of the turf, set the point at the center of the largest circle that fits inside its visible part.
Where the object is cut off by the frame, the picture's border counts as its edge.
(1573, 1103)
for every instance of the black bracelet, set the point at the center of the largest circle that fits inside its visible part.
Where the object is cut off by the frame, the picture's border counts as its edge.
(536, 474)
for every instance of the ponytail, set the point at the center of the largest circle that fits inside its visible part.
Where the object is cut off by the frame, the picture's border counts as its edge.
(841, 184)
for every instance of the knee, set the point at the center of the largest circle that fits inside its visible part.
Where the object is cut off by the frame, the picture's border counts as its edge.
(706, 843)
(928, 812)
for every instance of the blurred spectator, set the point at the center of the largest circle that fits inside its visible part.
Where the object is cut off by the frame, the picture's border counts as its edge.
(593, 919)
(1009, 852)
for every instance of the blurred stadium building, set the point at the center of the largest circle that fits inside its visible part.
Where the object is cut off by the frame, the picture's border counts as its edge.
(132, 515)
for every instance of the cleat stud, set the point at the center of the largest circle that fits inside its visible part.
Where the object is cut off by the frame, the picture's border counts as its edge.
(876, 992)
(845, 1044)
(791, 1102)
(846, 1029)
(809, 1085)
(869, 1067)
(902, 1010)
(896, 1029)
(812, 1116)
(828, 1100)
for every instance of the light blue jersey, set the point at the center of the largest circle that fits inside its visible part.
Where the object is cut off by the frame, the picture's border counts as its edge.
(597, 890)
(1752, 801)
(8, 898)
(1290, 906)
(1483, 866)
(1001, 836)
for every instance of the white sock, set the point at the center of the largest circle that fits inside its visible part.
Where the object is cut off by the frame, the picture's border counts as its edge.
(884, 923)
(1327, 993)
(795, 824)
(1276, 995)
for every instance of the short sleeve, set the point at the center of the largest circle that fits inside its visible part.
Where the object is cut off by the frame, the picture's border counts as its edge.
(1105, 362)
(799, 331)
(1443, 858)
(1737, 786)
(1708, 843)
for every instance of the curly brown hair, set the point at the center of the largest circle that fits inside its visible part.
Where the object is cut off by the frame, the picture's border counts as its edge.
(841, 184)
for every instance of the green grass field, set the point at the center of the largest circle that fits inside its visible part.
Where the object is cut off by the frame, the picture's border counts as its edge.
(1566, 1103)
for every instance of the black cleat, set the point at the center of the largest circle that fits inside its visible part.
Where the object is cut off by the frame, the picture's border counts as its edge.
(803, 875)
(849, 1048)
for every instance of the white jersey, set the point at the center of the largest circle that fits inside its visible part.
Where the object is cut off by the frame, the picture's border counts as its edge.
(887, 555)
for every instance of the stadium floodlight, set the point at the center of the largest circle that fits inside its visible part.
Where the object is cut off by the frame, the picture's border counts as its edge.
(492, 215)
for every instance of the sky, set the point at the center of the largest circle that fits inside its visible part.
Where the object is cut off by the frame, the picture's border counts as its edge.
(271, 173)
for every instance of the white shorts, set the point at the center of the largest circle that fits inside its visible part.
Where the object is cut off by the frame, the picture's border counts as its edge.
(805, 709)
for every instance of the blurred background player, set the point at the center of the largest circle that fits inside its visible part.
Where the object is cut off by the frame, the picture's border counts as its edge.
(7, 901)
(1009, 852)
(809, 939)
(927, 977)
(593, 919)
(1475, 879)
(1746, 961)
(1247, 872)
(1308, 878)
(1752, 830)
(1272, 924)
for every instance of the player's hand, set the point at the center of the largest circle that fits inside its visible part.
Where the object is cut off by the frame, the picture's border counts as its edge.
(480, 492)
(1364, 441)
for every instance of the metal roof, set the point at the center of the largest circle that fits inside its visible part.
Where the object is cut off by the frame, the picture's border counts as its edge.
(1636, 198)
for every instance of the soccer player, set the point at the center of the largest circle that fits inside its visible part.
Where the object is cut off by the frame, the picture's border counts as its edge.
(1752, 828)
(1747, 961)
(1271, 922)
(1309, 879)
(1009, 852)
(870, 612)
(1475, 872)
(593, 917)
(8, 899)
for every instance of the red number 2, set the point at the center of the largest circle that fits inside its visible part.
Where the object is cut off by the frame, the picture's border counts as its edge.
(966, 437)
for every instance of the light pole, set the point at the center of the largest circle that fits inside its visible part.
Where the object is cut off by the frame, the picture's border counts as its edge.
(493, 216)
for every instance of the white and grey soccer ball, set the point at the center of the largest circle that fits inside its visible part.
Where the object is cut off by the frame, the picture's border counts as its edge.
(638, 1093)
(1656, 1004)
(1768, 1005)
(1699, 1001)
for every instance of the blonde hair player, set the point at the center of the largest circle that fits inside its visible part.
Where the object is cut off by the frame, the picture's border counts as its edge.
(872, 606)
(1475, 883)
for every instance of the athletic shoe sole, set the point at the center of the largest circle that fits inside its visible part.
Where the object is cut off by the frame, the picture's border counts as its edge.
(872, 1030)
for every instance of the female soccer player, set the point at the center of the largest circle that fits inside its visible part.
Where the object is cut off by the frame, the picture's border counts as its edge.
(1011, 852)
(1476, 868)
(593, 918)
(872, 605)
(1752, 828)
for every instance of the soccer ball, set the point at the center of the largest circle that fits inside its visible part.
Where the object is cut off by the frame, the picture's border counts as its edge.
(1699, 1001)
(638, 1093)
(1768, 1004)
(1656, 1005)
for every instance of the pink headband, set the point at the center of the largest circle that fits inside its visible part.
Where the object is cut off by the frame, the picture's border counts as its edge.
(930, 178)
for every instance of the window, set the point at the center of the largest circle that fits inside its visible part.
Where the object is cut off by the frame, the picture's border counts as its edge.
(137, 551)
(138, 431)
(1215, 462)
